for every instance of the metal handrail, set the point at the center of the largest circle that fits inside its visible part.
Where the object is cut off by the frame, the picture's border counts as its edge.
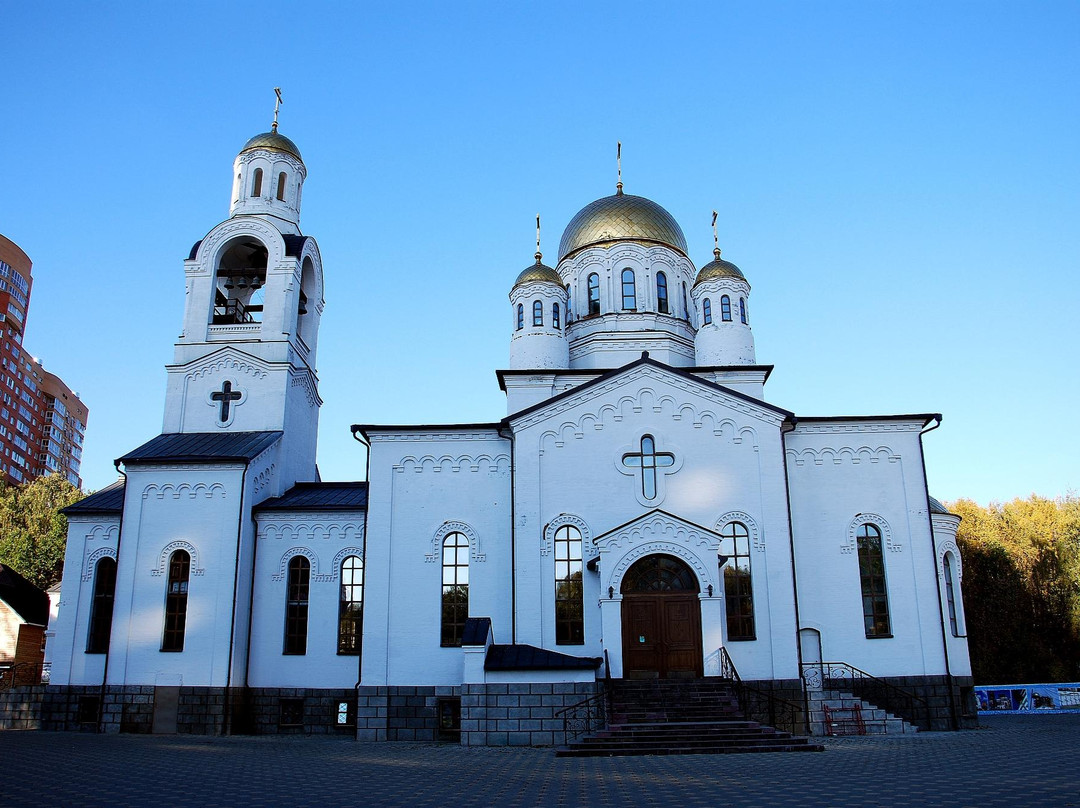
(586, 716)
(24, 673)
(760, 705)
(885, 695)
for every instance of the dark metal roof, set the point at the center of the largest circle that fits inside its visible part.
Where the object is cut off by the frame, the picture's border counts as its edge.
(194, 250)
(202, 447)
(476, 631)
(531, 658)
(937, 507)
(31, 603)
(108, 500)
(319, 497)
(503, 375)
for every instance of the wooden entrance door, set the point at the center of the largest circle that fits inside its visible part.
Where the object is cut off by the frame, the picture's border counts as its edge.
(661, 620)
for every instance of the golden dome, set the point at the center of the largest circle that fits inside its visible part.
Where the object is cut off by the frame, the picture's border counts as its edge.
(273, 141)
(621, 217)
(538, 272)
(719, 268)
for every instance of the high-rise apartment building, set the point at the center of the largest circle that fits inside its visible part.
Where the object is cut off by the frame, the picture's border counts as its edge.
(42, 422)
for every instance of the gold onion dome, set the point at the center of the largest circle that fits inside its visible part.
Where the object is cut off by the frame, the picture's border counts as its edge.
(274, 142)
(621, 217)
(718, 268)
(538, 272)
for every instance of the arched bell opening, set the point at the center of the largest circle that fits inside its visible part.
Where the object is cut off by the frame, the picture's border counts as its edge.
(239, 283)
(661, 620)
(305, 316)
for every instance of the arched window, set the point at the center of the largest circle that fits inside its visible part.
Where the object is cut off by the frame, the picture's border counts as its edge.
(685, 304)
(520, 316)
(97, 641)
(569, 305)
(661, 293)
(256, 183)
(706, 312)
(538, 313)
(350, 605)
(594, 293)
(296, 605)
(725, 309)
(629, 291)
(555, 315)
(875, 598)
(659, 573)
(281, 186)
(738, 585)
(742, 310)
(950, 595)
(455, 587)
(176, 592)
(569, 597)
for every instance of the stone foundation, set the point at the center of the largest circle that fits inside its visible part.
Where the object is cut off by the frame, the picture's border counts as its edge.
(407, 713)
(519, 714)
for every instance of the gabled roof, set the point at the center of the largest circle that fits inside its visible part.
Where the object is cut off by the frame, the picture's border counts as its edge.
(503, 375)
(319, 497)
(646, 361)
(649, 515)
(531, 658)
(202, 447)
(31, 603)
(109, 500)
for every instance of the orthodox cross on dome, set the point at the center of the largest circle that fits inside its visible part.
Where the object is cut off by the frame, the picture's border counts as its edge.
(618, 165)
(648, 460)
(277, 103)
(715, 237)
(226, 396)
(539, 255)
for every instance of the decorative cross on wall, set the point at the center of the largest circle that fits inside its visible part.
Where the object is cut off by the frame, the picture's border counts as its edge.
(648, 460)
(226, 396)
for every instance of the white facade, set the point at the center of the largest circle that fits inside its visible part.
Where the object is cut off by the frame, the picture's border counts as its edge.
(636, 421)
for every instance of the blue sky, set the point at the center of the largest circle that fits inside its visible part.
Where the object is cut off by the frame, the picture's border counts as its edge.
(898, 181)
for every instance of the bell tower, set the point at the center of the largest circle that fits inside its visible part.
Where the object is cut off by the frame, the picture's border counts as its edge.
(245, 360)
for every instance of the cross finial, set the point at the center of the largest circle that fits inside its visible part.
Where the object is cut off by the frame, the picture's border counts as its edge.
(618, 164)
(538, 255)
(277, 103)
(715, 237)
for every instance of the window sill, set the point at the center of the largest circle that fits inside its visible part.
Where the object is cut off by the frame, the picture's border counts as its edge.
(742, 639)
(348, 653)
(879, 636)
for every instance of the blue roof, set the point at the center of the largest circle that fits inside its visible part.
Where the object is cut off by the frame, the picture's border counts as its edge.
(202, 447)
(319, 497)
(108, 500)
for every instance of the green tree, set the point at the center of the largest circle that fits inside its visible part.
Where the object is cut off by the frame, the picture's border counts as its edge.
(33, 532)
(1022, 588)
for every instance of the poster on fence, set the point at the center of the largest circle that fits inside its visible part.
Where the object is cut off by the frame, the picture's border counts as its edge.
(1027, 699)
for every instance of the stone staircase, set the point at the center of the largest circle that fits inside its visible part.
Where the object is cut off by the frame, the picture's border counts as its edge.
(835, 712)
(680, 717)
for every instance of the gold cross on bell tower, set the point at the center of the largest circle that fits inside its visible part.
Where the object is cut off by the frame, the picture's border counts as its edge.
(277, 104)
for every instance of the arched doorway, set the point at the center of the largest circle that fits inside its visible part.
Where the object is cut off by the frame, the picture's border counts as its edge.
(661, 620)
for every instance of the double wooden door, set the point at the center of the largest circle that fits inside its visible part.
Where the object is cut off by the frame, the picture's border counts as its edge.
(661, 635)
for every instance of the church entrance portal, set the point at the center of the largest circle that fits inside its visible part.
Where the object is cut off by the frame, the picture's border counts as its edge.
(661, 620)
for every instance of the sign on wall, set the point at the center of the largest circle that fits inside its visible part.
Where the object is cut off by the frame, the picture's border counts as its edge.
(1026, 699)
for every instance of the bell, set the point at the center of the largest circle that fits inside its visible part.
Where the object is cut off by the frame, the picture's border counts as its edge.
(229, 283)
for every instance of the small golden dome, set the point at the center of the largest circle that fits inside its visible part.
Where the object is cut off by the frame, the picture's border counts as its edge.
(538, 272)
(621, 217)
(273, 141)
(719, 268)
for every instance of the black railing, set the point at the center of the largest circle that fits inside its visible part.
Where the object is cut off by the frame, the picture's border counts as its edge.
(24, 673)
(586, 716)
(234, 312)
(763, 706)
(884, 695)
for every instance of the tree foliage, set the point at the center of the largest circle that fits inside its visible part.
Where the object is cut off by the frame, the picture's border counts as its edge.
(33, 532)
(1022, 588)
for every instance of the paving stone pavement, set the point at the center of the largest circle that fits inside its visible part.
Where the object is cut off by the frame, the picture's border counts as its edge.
(1026, 761)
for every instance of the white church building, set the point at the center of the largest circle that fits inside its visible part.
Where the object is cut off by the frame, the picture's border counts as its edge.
(642, 511)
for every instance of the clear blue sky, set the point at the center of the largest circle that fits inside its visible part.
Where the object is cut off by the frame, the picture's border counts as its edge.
(898, 181)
